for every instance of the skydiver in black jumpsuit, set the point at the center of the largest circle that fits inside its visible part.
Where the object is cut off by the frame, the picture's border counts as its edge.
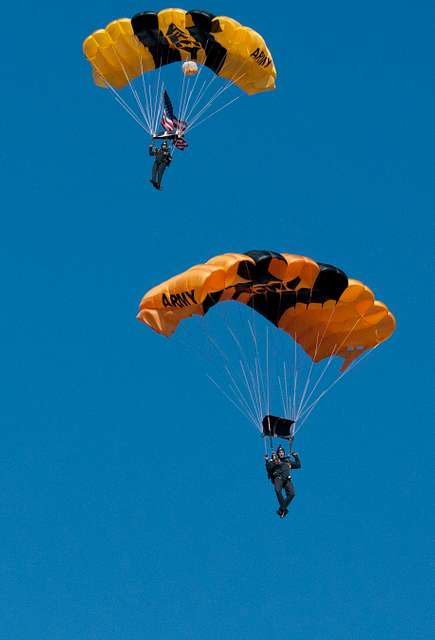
(162, 159)
(279, 472)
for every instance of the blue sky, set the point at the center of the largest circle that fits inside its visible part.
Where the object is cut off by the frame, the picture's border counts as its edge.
(134, 502)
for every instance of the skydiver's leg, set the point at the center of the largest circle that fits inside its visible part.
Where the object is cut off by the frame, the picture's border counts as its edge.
(290, 492)
(278, 484)
(160, 172)
(155, 175)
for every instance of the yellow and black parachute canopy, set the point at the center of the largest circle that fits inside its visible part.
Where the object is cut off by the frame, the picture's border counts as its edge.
(127, 48)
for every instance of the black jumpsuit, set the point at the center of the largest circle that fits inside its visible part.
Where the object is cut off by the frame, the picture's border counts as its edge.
(162, 160)
(279, 474)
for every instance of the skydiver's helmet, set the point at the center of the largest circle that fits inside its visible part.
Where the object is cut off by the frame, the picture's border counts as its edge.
(280, 450)
(165, 145)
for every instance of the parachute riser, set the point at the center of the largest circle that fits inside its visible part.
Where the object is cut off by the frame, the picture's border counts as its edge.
(291, 437)
(268, 440)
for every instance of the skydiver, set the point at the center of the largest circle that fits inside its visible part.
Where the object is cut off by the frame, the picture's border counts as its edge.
(278, 470)
(162, 159)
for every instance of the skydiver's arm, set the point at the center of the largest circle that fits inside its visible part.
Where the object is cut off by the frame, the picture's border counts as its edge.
(296, 462)
(269, 466)
(152, 150)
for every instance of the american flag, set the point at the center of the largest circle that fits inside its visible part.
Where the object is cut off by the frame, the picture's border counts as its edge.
(173, 125)
(180, 143)
(169, 124)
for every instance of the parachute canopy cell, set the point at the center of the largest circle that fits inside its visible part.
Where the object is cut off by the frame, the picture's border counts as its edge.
(127, 48)
(325, 312)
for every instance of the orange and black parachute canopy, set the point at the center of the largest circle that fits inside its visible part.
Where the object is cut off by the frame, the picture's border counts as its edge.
(325, 311)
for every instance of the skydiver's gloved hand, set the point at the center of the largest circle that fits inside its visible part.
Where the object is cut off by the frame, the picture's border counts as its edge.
(297, 461)
(266, 456)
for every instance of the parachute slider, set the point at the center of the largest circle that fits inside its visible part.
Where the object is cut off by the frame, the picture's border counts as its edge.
(189, 68)
(275, 427)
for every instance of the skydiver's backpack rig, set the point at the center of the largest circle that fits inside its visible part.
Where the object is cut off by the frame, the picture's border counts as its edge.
(277, 427)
